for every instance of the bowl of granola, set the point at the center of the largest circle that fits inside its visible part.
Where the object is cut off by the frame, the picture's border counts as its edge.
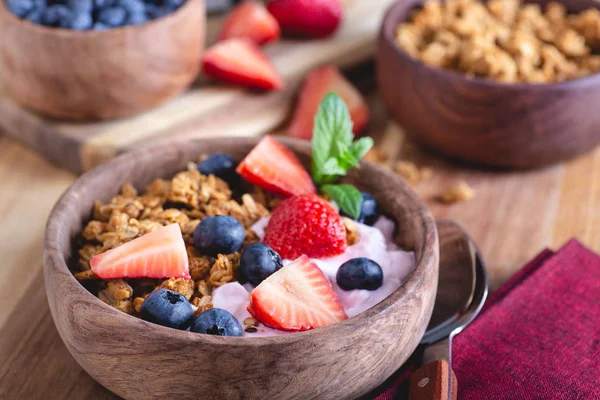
(222, 268)
(501, 83)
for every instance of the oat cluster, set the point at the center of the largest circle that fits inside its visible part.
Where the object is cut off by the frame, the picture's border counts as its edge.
(504, 40)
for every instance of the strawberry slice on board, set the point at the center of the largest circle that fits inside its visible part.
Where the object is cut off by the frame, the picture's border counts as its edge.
(298, 297)
(276, 169)
(307, 18)
(158, 254)
(250, 20)
(241, 62)
(317, 85)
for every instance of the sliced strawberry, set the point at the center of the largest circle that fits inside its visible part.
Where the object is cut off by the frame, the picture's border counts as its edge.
(158, 254)
(310, 18)
(317, 85)
(274, 168)
(250, 20)
(241, 62)
(298, 297)
(306, 224)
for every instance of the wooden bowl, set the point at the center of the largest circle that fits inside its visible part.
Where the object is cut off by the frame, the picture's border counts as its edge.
(482, 121)
(100, 75)
(139, 360)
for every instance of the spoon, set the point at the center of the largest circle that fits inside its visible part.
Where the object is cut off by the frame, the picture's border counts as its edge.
(462, 290)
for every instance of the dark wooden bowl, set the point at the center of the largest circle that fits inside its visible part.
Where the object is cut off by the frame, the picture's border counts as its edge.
(100, 75)
(139, 360)
(481, 121)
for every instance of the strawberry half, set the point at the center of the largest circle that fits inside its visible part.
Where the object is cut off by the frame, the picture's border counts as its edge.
(308, 225)
(241, 62)
(250, 20)
(298, 297)
(274, 168)
(309, 18)
(158, 254)
(317, 85)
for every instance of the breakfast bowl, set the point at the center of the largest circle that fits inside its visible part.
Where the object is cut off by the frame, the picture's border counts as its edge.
(514, 125)
(90, 75)
(139, 360)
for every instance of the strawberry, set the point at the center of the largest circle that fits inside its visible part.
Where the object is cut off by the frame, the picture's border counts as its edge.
(318, 83)
(158, 254)
(274, 168)
(306, 224)
(241, 62)
(309, 18)
(250, 20)
(298, 297)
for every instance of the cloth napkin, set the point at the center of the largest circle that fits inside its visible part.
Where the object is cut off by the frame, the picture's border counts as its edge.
(537, 337)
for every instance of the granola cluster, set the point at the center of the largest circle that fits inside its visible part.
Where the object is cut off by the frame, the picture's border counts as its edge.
(504, 40)
(185, 199)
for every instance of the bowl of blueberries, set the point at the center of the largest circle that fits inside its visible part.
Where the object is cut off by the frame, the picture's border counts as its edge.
(99, 59)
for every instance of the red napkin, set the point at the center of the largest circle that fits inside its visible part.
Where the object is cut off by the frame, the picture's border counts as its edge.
(538, 337)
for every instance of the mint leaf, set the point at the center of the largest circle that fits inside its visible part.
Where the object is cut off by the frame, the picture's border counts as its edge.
(333, 167)
(347, 197)
(332, 133)
(360, 147)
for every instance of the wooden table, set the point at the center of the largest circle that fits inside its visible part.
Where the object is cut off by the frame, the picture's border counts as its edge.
(513, 217)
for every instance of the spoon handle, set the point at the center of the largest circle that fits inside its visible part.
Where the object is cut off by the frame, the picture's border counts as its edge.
(431, 382)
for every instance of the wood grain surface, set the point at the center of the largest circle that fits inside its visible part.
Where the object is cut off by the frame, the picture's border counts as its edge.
(205, 110)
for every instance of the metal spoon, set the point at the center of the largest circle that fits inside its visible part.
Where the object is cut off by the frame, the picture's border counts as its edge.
(462, 290)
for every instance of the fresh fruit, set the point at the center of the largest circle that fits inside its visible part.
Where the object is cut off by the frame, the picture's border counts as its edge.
(167, 308)
(219, 235)
(318, 83)
(274, 168)
(306, 224)
(158, 254)
(220, 165)
(250, 20)
(369, 210)
(217, 321)
(241, 62)
(298, 297)
(309, 18)
(359, 273)
(258, 262)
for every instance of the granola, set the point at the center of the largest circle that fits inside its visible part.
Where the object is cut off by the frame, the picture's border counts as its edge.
(504, 40)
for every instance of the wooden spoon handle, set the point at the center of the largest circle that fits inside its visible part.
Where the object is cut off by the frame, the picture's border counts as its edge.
(430, 382)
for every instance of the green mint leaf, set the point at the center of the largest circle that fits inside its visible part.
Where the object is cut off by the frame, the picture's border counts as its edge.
(332, 167)
(360, 147)
(347, 197)
(332, 133)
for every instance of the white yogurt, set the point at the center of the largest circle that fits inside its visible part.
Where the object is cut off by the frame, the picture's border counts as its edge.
(375, 243)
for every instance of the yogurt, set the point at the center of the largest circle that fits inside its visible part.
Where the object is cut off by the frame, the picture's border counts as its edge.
(375, 243)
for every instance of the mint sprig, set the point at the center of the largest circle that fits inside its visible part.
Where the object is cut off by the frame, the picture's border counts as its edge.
(335, 152)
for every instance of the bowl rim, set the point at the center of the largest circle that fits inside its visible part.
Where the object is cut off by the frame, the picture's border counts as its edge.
(90, 33)
(53, 258)
(388, 28)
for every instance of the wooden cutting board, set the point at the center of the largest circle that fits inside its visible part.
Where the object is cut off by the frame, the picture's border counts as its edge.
(207, 109)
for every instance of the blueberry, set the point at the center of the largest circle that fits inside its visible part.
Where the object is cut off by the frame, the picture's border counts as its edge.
(100, 4)
(20, 7)
(56, 15)
(112, 16)
(173, 4)
(35, 16)
(359, 273)
(157, 12)
(369, 211)
(133, 6)
(216, 321)
(81, 5)
(219, 235)
(168, 308)
(81, 21)
(137, 19)
(219, 164)
(258, 262)
(99, 26)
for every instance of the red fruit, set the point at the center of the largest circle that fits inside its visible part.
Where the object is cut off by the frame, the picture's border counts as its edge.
(298, 297)
(241, 62)
(274, 168)
(310, 18)
(317, 85)
(250, 20)
(158, 254)
(308, 225)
